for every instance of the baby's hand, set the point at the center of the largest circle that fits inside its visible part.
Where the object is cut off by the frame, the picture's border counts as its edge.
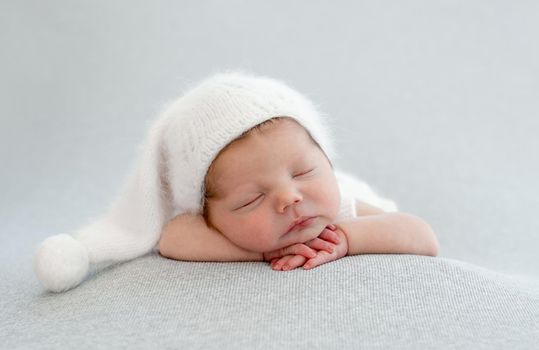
(322, 257)
(330, 245)
(300, 250)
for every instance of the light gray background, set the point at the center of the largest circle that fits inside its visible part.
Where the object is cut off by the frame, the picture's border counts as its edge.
(435, 105)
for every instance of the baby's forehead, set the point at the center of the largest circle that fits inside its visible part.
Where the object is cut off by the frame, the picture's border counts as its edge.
(233, 164)
(225, 184)
(284, 131)
(228, 179)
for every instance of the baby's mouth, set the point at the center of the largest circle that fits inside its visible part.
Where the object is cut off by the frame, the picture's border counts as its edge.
(301, 223)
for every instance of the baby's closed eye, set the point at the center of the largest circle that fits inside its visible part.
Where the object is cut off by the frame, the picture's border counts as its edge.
(301, 174)
(305, 172)
(250, 202)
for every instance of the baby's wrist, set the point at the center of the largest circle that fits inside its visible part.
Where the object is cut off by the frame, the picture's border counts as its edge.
(343, 236)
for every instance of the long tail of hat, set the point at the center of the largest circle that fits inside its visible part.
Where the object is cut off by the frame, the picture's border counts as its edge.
(130, 228)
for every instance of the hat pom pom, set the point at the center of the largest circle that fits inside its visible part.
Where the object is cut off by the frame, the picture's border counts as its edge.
(61, 263)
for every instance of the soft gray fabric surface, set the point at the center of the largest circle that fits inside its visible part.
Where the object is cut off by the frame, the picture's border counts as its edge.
(435, 106)
(371, 301)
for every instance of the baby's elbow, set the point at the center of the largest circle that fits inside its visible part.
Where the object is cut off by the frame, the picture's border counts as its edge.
(165, 242)
(433, 245)
(163, 247)
(428, 241)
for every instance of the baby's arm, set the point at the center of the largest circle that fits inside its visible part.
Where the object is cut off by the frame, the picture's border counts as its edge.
(389, 233)
(188, 237)
(373, 231)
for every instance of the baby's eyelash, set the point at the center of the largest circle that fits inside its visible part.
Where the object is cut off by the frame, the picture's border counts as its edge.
(254, 200)
(304, 172)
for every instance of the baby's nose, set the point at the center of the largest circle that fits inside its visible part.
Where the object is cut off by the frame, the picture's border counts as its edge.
(287, 199)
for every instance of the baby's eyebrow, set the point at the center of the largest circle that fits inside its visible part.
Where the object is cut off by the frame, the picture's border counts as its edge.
(233, 191)
(236, 192)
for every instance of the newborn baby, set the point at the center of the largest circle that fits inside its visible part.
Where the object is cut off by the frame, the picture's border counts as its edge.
(238, 168)
(272, 194)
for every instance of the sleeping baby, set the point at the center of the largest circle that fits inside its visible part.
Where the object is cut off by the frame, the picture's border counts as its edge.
(237, 169)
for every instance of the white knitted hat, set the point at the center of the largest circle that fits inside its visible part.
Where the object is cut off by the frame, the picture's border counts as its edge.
(168, 177)
(217, 111)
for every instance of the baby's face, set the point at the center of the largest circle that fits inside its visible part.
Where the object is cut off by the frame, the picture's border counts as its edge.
(267, 181)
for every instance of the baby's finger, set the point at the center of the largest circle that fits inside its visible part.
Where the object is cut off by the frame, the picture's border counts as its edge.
(321, 258)
(295, 249)
(274, 262)
(330, 236)
(280, 263)
(320, 244)
(293, 262)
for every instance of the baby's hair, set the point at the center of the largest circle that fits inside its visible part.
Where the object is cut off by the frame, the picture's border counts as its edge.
(209, 187)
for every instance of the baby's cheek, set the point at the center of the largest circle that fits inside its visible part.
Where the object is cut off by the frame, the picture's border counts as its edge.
(328, 195)
(259, 235)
